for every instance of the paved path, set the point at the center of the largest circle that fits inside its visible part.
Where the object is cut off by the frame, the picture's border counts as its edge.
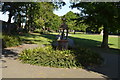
(111, 65)
(20, 48)
(13, 68)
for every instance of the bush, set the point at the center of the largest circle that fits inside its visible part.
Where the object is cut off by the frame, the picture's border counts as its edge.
(87, 57)
(10, 41)
(46, 56)
(41, 31)
(44, 32)
(37, 30)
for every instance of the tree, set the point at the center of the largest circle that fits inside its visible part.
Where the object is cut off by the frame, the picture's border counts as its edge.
(44, 16)
(72, 22)
(31, 13)
(100, 14)
(13, 8)
(55, 22)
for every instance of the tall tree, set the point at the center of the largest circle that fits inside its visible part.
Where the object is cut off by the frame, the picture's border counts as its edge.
(71, 19)
(33, 14)
(10, 8)
(100, 14)
(43, 15)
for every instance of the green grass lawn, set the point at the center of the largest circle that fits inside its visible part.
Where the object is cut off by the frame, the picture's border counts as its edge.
(45, 56)
(36, 38)
(94, 40)
(89, 40)
(85, 40)
(82, 40)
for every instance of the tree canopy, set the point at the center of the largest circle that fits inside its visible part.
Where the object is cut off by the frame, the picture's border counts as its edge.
(33, 15)
(40, 15)
(73, 23)
(97, 14)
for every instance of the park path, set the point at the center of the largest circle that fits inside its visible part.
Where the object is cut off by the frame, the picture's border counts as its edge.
(20, 48)
(13, 68)
(111, 65)
(16, 69)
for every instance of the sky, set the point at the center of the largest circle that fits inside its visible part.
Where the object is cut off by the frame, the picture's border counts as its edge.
(65, 9)
(3, 17)
(60, 12)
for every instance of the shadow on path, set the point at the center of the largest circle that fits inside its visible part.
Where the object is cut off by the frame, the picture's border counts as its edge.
(110, 65)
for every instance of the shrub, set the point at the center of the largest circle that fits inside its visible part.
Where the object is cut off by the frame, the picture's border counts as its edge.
(46, 56)
(44, 32)
(9, 41)
(37, 30)
(87, 57)
(41, 31)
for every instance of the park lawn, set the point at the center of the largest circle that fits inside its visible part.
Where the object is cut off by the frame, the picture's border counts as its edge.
(82, 40)
(90, 40)
(94, 40)
(36, 38)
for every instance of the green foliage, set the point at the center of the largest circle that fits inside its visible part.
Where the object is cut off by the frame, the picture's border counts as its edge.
(41, 31)
(40, 22)
(46, 56)
(44, 32)
(97, 14)
(73, 24)
(44, 16)
(37, 38)
(87, 57)
(37, 30)
(34, 15)
(81, 27)
(69, 16)
(55, 22)
(10, 41)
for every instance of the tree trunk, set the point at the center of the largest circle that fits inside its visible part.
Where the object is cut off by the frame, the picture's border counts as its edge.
(105, 38)
(9, 21)
(9, 18)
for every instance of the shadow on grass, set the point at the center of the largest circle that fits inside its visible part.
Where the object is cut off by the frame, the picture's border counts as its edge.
(50, 36)
(86, 43)
(26, 39)
(110, 66)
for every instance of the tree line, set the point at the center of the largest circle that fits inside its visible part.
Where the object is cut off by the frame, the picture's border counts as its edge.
(32, 15)
(94, 16)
